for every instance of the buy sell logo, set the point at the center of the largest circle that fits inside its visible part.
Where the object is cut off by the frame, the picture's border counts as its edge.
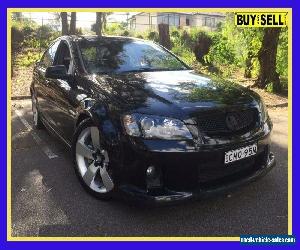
(257, 19)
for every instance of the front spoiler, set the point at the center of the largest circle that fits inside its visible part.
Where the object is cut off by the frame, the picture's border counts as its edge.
(168, 196)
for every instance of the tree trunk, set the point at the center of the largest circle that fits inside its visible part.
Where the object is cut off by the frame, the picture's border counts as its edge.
(201, 47)
(73, 23)
(267, 60)
(164, 35)
(99, 23)
(64, 23)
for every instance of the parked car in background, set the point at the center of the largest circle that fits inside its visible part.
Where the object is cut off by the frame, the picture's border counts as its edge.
(141, 123)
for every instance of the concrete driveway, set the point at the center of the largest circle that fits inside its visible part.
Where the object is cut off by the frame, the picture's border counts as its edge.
(47, 199)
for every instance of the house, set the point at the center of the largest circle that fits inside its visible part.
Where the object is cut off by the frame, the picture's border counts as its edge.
(145, 21)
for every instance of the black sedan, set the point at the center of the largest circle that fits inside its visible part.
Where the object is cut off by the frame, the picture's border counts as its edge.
(141, 123)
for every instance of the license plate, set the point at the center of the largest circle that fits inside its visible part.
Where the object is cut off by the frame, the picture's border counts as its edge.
(240, 153)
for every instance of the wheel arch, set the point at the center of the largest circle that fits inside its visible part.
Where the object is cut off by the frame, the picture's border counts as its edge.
(82, 116)
(99, 115)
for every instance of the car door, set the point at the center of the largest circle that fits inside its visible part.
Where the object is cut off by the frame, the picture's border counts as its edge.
(42, 86)
(62, 99)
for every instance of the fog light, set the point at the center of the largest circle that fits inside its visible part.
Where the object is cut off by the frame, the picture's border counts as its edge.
(151, 172)
(153, 177)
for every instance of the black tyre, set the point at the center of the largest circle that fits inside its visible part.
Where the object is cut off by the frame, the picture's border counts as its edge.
(37, 122)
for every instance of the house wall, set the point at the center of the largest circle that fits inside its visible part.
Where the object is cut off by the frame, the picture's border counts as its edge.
(143, 22)
(207, 21)
(172, 19)
(146, 21)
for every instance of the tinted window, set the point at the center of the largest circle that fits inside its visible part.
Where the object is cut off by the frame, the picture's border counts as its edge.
(117, 56)
(49, 55)
(64, 57)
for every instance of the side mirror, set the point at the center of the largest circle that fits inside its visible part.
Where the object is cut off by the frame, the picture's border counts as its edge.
(57, 72)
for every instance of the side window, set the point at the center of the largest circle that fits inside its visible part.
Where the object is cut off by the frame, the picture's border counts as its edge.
(63, 56)
(49, 55)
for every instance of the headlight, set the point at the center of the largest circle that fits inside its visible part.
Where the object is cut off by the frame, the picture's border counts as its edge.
(156, 127)
(263, 111)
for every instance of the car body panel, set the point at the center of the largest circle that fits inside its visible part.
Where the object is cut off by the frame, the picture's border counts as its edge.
(182, 94)
(176, 94)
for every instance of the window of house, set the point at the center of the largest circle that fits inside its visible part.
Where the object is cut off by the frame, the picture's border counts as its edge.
(213, 21)
(187, 22)
(209, 22)
(133, 23)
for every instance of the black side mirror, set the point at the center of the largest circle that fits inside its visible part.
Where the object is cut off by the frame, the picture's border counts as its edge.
(57, 72)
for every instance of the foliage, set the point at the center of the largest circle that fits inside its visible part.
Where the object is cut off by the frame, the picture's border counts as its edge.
(222, 52)
(202, 46)
(282, 53)
(34, 36)
(185, 55)
(125, 33)
(28, 58)
(28, 39)
(153, 35)
(114, 29)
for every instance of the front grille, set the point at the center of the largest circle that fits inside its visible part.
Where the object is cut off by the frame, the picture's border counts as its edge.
(228, 122)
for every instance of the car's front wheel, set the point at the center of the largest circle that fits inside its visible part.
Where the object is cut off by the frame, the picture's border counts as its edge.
(91, 161)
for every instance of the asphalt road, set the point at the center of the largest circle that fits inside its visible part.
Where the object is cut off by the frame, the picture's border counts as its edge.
(47, 199)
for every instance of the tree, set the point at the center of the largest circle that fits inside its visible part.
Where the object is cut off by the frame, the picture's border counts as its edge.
(201, 46)
(267, 60)
(73, 23)
(164, 35)
(17, 38)
(64, 23)
(99, 22)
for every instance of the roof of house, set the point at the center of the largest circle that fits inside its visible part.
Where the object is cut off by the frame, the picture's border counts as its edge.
(185, 13)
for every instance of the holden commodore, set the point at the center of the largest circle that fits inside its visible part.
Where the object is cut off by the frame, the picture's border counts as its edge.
(141, 123)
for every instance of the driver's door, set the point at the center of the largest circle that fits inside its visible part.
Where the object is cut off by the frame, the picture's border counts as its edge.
(61, 96)
(42, 84)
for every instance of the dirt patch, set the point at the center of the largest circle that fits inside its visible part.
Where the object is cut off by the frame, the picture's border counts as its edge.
(273, 101)
(20, 82)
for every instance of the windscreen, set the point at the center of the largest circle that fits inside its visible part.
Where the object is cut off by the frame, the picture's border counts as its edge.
(118, 56)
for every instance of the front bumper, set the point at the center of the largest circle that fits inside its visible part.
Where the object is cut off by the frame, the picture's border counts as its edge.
(165, 195)
(189, 172)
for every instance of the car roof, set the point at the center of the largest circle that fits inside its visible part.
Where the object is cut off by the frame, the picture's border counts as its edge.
(93, 38)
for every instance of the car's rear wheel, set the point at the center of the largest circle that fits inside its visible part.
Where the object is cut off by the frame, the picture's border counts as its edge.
(37, 123)
(91, 161)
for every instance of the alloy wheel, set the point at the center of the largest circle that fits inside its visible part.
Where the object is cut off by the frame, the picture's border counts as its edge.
(92, 161)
